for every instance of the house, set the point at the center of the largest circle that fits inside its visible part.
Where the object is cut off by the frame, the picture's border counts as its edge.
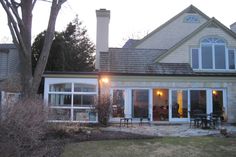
(9, 72)
(186, 64)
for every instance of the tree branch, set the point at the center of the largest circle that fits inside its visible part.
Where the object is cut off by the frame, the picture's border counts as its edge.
(15, 11)
(33, 4)
(41, 64)
(60, 2)
(13, 34)
(16, 32)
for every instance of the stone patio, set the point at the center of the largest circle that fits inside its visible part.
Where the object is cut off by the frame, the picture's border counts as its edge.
(178, 130)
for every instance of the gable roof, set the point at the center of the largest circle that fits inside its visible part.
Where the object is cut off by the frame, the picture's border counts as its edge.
(210, 22)
(190, 9)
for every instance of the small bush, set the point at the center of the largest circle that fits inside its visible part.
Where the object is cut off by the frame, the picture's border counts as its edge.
(103, 108)
(22, 127)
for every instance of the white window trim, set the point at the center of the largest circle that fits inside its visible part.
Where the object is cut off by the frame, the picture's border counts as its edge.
(117, 119)
(213, 58)
(149, 101)
(234, 51)
(209, 105)
(50, 81)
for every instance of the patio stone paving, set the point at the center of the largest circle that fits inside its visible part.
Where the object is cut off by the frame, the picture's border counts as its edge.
(181, 130)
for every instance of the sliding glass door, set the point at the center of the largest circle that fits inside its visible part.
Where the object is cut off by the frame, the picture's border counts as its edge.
(218, 104)
(204, 101)
(140, 101)
(179, 105)
(198, 101)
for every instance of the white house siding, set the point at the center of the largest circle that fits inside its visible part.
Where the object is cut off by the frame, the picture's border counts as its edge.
(172, 33)
(208, 83)
(9, 63)
(231, 101)
(182, 53)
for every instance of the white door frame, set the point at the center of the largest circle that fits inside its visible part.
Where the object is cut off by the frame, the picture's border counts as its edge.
(170, 106)
(209, 103)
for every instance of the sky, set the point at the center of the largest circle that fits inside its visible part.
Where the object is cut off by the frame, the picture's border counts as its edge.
(129, 18)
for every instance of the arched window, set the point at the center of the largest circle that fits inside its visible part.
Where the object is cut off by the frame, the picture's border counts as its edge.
(213, 54)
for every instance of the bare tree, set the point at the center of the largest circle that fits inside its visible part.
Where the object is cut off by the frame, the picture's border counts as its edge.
(19, 14)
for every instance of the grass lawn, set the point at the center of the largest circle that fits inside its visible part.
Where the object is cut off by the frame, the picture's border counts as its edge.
(158, 147)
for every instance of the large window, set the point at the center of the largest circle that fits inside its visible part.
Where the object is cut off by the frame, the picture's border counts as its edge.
(198, 101)
(217, 101)
(72, 102)
(231, 59)
(179, 103)
(118, 104)
(140, 103)
(207, 60)
(213, 54)
(195, 58)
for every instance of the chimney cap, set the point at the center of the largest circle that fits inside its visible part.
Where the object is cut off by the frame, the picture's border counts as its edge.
(103, 13)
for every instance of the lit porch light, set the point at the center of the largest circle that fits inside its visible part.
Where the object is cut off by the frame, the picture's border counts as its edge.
(159, 93)
(214, 92)
(105, 80)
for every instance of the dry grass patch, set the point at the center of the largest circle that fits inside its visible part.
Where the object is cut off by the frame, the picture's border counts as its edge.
(158, 147)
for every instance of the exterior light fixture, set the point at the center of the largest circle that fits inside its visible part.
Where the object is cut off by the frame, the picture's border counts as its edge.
(105, 80)
(214, 92)
(159, 93)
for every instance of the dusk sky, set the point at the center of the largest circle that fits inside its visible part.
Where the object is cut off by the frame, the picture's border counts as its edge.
(129, 18)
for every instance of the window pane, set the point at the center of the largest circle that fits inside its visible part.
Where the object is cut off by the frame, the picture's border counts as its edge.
(198, 101)
(84, 115)
(60, 87)
(118, 103)
(231, 59)
(84, 100)
(179, 104)
(88, 100)
(140, 103)
(77, 100)
(160, 105)
(195, 60)
(3, 64)
(207, 60)
(59, 114)
(84, 87)
(217, 98)
(220, 57)
(59, 99)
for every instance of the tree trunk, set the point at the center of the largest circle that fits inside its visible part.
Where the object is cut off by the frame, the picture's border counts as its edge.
(41, 64)
(20, 27)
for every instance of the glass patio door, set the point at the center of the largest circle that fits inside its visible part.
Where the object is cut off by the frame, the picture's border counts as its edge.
(179, 105)
(140, 101)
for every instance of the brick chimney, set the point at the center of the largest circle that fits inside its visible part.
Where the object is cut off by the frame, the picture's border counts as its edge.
(103, 19)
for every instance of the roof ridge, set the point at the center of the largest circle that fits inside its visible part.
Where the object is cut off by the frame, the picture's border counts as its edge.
(111, 48)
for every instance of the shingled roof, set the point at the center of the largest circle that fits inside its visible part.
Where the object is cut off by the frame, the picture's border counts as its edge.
(122, 60)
